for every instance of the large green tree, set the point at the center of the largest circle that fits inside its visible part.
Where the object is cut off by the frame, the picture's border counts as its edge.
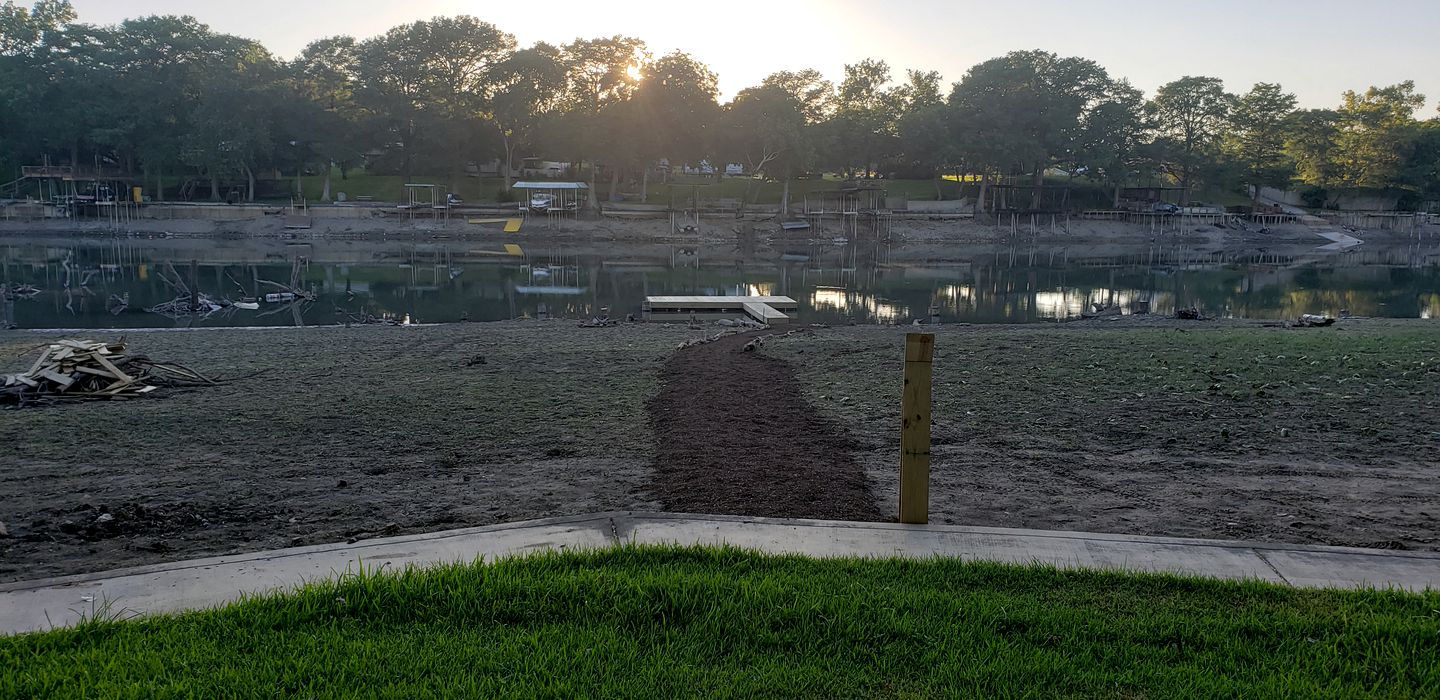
(601, 75)
(322, 111)
(1113, 147)
(431, 82)
(1256, 138)
(529, 88)
(1190, 116)
(33, 46)
(1377, 127)
(1312, 141)
(1025, 113)
(864, 120)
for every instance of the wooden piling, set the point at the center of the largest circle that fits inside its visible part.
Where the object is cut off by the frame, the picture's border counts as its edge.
(194, 285)
(915, 429)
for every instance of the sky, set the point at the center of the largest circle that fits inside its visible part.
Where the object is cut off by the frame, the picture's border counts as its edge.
(1314, 48)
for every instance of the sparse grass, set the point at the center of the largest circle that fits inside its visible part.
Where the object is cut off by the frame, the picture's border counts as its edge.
(1224, 430)
(694, 622)
(1218, 389)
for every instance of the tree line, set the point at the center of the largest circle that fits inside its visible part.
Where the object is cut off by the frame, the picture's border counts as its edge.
(166, 96)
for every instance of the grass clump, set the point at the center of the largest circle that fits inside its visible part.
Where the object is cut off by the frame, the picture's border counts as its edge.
(707, 622)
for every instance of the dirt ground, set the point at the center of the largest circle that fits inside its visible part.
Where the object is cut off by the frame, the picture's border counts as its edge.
(350, 433)
(1159, 427)
(734, 435)
(1226, 430)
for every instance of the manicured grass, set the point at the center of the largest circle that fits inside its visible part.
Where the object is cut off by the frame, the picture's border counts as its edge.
(665, 623)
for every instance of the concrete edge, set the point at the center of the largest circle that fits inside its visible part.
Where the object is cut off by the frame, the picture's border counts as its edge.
(618, 526)
(641, 516)
(599, 521)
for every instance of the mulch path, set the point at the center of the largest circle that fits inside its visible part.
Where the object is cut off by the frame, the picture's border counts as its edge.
(735, 436)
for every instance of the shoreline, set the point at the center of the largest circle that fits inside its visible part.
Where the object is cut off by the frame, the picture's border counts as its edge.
(713, 228)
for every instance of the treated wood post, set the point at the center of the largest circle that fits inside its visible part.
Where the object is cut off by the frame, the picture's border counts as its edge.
(194, 285)
(915, 430)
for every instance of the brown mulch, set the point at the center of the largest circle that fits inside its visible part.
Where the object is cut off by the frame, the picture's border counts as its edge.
(735, 436)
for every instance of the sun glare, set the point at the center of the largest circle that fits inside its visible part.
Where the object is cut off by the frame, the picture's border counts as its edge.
(634, 72)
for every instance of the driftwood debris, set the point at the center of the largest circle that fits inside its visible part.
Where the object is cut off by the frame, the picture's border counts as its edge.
(1314, 320)
(1102, 310)
(1190, 314)
(85, 369)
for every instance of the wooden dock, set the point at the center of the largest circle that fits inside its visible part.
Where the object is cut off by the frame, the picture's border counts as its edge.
(769, 310)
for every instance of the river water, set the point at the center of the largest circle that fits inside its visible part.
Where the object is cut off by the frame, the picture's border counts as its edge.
(111, 282)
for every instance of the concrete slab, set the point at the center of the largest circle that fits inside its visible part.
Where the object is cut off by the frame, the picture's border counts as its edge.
(203, 583)
(1341, 567)
(206, 583)
(1063, 549)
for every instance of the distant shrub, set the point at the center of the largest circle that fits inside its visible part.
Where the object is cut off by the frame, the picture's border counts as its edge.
(1314, 197)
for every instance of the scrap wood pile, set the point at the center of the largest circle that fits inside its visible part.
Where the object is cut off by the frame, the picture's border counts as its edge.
(84, 369)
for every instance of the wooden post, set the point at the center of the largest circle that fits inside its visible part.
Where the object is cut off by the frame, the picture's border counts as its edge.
(194, 285)
(915, 430)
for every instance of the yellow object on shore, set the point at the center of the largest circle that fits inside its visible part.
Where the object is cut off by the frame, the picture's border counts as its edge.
(513, 225)
(488, 221)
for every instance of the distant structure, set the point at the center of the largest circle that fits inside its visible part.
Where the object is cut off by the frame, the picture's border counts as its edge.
(557, 202)
(67, 191)
(853, 209)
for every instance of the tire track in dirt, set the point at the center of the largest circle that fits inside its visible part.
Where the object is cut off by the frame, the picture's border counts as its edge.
(735, 436)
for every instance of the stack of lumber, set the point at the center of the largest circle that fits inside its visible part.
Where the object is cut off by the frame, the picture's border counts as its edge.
(85, 369)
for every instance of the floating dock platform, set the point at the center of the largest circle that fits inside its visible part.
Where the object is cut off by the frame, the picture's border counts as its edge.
(769, 310)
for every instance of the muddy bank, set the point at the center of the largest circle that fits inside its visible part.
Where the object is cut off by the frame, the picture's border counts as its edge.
(1128, 425)
(734, 435)
(351, 433)
(713, 228)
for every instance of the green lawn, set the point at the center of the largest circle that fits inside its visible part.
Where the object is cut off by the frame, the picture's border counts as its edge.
(665, 623)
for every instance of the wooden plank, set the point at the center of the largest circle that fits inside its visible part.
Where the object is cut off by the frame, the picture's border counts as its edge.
(64, 380)
(114, 370)
(488, 221)
(96, 372)
(44, 357)
(716, 302)
(27, 381)
(915, 429)
(765, 313)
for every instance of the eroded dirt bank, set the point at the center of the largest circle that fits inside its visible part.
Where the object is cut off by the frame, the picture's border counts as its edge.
(735, 435)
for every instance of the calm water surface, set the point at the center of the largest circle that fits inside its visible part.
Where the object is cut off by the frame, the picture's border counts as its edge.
(110, 283)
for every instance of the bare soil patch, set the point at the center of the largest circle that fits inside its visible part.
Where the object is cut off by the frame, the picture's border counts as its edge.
(1224, 430)
(352, 433)
(735, 435)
